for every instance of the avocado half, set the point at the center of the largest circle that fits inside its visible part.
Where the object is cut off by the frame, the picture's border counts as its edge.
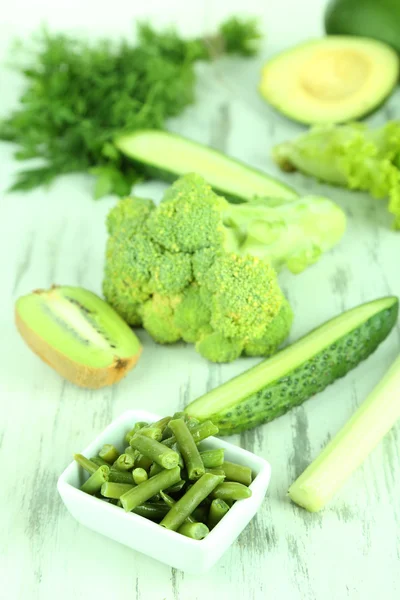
(331, 80)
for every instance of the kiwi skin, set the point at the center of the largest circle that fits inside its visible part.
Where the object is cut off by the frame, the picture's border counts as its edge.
(81, 375)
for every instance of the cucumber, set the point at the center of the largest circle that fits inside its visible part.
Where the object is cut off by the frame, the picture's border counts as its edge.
(301, 370)
(167, 156)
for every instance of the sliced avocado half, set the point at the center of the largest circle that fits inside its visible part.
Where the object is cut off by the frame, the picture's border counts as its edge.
(331, 80)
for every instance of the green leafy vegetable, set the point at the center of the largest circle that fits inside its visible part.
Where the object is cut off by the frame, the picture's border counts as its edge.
(351, 446)
(352, 156)
(79, 96)
(201, 269)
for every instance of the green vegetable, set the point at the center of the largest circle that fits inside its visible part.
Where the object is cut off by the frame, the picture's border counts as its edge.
(352, 156)
(188, 449)
(335, 79)
(184, 269)
(96, 480)
(239, 473)
(142, 462)
(78, 96)
(308, 366)
(109, 453)
(98, 461)
(349, 448)
(367, 18)
(154, 512)
(117, 476)
(124, 462)
(168, 156)
(196, 531)
(170, 502)
(85, 463)
(139, 475)
(115, 490)
(212, 458)
(146, 490)
(139, 425)
(231, 490)
(159, 453)
(189, 501)
(218, 509)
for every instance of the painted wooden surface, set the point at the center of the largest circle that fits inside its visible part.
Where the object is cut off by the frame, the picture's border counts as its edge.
(352, 550)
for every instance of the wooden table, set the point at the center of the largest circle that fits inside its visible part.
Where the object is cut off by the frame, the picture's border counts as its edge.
(350, 551)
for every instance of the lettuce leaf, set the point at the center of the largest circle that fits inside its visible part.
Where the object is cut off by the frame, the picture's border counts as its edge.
(352, 156)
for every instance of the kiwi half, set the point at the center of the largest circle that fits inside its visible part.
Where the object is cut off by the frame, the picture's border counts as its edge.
(78, 334)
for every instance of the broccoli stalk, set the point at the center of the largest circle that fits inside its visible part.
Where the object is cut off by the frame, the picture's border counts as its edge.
(200, 269)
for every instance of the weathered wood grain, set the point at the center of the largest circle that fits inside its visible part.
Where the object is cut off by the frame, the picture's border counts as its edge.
(352, 550)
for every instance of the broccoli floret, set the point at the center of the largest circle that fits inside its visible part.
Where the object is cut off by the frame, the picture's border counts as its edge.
(200, 269)
(274, 335)
(217, 348)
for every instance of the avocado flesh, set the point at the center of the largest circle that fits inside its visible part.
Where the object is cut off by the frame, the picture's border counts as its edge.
(331, 80)
(378, 19)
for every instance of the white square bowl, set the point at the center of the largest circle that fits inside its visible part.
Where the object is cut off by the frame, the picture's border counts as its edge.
(174, 549)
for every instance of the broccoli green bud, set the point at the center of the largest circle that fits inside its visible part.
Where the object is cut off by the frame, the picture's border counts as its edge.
(192, 316)
(275, 334)
(217, 348)
(129, 215)
(157, 316)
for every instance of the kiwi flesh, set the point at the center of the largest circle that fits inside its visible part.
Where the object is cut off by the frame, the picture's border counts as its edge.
(78, 334)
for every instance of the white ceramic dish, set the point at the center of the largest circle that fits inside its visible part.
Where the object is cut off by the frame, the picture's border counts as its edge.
(145, 536)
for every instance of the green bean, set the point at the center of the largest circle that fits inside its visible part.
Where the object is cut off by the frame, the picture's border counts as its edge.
(196, 531)
(139, 475)
(142, 492)
(216, 471)
(218, 509)
(163, 456)
(181, 463)
(124, 462)
(142, 462)
(99, 461)
(189, 501)
(115, 490)
(151, 431)
(129, 450)
(231, 490)
(212, 458)
(154, 469)
(177, 486)
(137, 426)
(199, 432)
(170, 503)
(191, 422)
(85, 463)
(200, 513)
(154, 512)
(120, 476)
(109, 453)
(96, 480)
(188, 448)
(238, 473)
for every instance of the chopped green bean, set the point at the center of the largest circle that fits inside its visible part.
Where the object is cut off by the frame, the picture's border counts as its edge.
(109, 453)
(116, 476)
(142, 462)
(154, 469)
(99, 461)
(231, 490)
(129, 450)
(189, 501)
(144, 491)
(187, 446)
(115, 490)
(200, 513)
(203, 431)
(238, 473)
(154, 512)
(212, 458)
(96, 480)
(139, 475)
(163, 456)
(191, 422)
(124, 462)
(137, 426)
(170, 503)
(196, 531)
(216, 471)
(218, 509)
(174, 489)
(85, 463)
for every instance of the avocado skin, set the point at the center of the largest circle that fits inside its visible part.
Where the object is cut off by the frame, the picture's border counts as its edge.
(378, 19)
